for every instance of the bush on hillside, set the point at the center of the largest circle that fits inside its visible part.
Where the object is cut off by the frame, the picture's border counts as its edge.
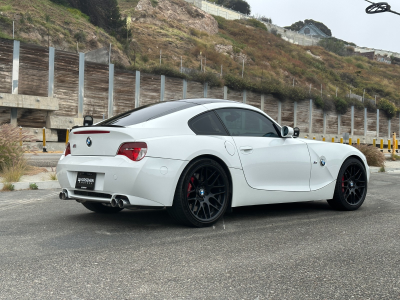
(388, 107)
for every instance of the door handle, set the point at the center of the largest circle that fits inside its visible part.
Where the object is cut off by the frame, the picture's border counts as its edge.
(246, 149)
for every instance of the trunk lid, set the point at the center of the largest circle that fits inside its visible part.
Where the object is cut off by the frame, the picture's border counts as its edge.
(98, 141)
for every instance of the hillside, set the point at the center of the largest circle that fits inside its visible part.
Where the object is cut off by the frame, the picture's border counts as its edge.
(181, 30)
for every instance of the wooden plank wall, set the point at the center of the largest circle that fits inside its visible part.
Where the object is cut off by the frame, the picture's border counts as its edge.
(173, 89)
(288, 113)
(332, 123)
(150, 86)
(317, 120)
(383, 124)
(358, 121)
(124, 91)
(194, 90)
(215, 92)
(371, 123)
(252, 99)
(6, 63)
(303, 115)
(235, 95)
(66, 83)
(5, 115)
(96, 90)
(33, 70)
(31, 118)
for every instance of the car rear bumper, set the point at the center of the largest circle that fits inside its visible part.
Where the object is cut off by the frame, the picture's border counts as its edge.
(149, 182)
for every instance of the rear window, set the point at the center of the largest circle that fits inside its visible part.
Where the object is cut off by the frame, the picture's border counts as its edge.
(207, 124)
(146, 113)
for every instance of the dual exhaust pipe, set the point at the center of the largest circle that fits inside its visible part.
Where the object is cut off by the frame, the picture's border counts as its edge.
(118, 202)
(115, 202)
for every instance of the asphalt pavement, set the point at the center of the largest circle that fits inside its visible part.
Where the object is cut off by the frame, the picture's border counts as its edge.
(53, 249)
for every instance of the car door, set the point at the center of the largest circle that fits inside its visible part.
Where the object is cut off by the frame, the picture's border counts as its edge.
(269, 161)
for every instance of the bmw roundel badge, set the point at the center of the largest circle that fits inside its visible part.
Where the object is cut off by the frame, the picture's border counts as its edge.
(323, 161)
(89, 141)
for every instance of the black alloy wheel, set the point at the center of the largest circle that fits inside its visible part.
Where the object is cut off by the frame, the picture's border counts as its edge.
(202, 194)
(351, 186)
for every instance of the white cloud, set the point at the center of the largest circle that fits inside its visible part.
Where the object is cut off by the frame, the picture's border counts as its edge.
(346, 18)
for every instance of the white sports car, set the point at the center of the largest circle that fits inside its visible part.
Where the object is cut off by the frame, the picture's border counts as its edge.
(201, 157)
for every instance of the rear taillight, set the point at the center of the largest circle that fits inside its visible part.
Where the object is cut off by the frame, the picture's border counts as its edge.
(67, 150)
(134, 151)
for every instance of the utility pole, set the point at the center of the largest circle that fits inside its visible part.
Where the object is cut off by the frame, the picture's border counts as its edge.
(160, 56)
(181, 64)
(336, 92)
(221, 71)
(13, 28)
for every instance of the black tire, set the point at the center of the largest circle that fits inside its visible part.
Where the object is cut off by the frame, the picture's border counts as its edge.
(101, 208)
(351, 186)
(202, 194)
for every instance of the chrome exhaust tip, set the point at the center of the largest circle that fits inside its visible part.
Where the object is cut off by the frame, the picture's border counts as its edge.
(114, 203)
(121, 203)
(63, 195)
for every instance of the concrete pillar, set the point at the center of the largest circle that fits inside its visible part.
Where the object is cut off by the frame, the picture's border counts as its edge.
(137, 89)
(339, 121)
(310, 118)
(205, 91)
(184, 88)
(81, 93)
(225, 92)
(244, 96)
(389, 128)
(14, 115)
(52, 55)
(295, 114)
(162, 90)
(262, 102)
(377, 123)
(15, 69)
(110, 90)
(279, 112)
(365, 121)
(324, 124)
(15, 81)
(352, 121)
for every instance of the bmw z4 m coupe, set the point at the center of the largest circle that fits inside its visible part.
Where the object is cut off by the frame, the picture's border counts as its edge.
(200, 157)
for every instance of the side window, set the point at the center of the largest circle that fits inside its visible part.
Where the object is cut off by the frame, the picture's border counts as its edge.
(243, 122)
(207, 124)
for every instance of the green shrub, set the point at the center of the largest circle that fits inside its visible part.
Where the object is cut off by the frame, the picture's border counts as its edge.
(257, 24)
(212, 79)
(80, 37)
(33, 186)
(341, 105)
(388, 108)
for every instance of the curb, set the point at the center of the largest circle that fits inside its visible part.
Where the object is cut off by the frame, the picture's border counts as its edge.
(376, 170)
(42, 185)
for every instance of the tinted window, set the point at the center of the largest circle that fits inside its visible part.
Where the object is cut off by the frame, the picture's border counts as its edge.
(207, 124)
(145, 113)
(243, 122)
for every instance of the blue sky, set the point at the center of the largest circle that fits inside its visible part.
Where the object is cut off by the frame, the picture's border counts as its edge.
(346, 18)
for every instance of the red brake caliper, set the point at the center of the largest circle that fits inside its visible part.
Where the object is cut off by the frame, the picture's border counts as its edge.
(190, 186)
(343, 184)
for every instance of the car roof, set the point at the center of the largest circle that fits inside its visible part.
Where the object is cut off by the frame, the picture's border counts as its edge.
(202, 101)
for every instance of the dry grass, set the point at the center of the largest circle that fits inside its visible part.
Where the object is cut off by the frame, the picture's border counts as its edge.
(375, 158)
(14, 172)
(31, 170)
(8, 187)
(53, 176)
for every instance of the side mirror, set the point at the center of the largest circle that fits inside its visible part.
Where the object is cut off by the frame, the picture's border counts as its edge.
(296, 132)
(287, 131)
(87, 121)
